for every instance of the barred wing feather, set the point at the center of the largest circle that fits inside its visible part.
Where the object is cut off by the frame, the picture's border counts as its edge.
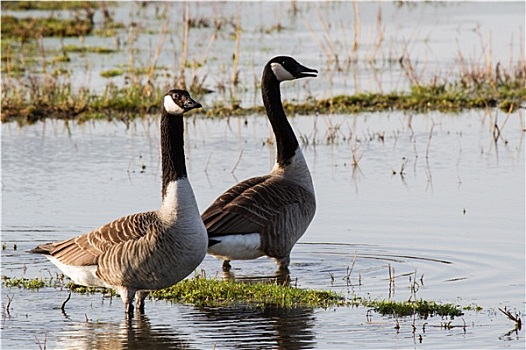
(251, 206)
(86, 249)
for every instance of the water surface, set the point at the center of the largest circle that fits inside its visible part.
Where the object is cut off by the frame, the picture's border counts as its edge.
(433, 197)
(436, 198)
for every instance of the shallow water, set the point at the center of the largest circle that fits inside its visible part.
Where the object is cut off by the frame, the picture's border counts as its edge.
(433, 197)
(439, 39)
(454, 220)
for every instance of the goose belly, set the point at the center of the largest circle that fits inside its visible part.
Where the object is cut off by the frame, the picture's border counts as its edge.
(83, 275)
(155, 265)
(237, 247)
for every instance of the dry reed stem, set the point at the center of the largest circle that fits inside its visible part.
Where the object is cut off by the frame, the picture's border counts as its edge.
(315, 37)
(429, 140)
(43, 53)
(208, 162)
(160, 43)
(391, 280)
(515, 318)
(9, 300)
(350, 269)
(207, 50)
(237, 162)
(380, 30)
(356, 12)
(235, 72)
(328, 39)
(131, 59)
(181, 83)
(40, 345)
(345, 45)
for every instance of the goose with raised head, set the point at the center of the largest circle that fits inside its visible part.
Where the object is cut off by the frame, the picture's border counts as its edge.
(149, 250)
(267, 215)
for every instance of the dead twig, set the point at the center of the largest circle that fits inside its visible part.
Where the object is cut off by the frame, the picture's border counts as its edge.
(9, 300)
(208, 162)
(429, 140)
(63, 307)
(237, 163)
(516, 318)
(41, 346)
(182, 82)
(235, 71)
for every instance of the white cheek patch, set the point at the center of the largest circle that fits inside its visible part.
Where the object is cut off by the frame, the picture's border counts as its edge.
(171, 107)
(281, 73)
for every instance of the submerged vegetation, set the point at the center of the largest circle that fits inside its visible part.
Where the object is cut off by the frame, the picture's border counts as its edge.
(206, 292)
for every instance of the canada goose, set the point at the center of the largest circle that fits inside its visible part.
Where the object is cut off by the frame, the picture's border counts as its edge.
(266, 215)
(144, 251)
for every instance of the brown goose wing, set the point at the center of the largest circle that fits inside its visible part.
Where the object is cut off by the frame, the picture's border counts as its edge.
(250, 206)
(85, 249)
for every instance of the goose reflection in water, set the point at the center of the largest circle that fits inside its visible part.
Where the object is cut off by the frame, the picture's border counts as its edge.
(280, 277)
(131, 333)
(233, 327)
(266, 327)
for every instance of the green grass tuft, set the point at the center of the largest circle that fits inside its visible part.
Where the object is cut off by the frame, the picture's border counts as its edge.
(88, 49)
(48, 5)
(24, 29)
(213, 293)
(55, 99)
(35, 283)
(110, 73)
(422, 308)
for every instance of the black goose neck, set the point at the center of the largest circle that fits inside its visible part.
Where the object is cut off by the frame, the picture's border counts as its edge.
(285, 139)
(172, 149)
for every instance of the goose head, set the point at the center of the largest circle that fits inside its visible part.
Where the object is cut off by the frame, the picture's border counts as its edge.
(287, 68)
(177, 102)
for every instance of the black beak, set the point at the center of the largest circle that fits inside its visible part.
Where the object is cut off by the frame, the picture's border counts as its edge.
(304, 72)
(191, 104)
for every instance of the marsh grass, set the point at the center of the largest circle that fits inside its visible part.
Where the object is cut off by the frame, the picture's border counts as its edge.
(48, 5)
(110, 73)
(206, 292)
(35, 86)
(88, 49)
(52, 97)
(212, 293)
(420, 307)
(58, 100)
(79, 20)
(25, 29)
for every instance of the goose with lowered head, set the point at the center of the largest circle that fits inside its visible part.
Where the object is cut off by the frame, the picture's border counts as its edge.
(267, 215)
(149, 250)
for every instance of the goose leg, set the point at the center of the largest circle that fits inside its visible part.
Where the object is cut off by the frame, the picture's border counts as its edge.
(226, 265)
(127, 295)
(283, 263)
(283, 277)
(139, 300)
